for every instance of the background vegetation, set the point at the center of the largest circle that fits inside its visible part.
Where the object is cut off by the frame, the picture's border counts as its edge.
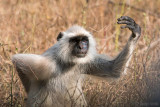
(31, 26)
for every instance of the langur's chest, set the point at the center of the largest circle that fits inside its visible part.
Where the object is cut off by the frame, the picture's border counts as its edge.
(66, 79)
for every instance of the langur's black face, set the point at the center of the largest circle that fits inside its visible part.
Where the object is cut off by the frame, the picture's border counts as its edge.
(79, 45)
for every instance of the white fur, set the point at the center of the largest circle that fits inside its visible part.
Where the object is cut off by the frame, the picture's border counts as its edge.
(32, 62)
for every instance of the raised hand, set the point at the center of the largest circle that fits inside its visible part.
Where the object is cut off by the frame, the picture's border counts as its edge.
(131, 25)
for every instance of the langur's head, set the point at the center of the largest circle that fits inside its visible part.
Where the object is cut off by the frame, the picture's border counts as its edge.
(76, 45)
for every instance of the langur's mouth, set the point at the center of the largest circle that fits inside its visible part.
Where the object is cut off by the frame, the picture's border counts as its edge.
(81, 55)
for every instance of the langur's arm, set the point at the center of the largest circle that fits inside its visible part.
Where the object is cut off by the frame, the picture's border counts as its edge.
(35, 67)
(103, 67)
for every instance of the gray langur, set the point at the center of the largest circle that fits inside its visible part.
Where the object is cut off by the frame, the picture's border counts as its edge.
(54, 78)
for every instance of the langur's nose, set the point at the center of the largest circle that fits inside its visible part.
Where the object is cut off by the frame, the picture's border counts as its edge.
(83, 45)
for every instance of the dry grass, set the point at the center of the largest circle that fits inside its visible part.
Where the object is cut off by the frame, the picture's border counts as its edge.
(31, 26)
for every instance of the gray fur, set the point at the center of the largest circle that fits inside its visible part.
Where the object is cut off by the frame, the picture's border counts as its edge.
(54, 79)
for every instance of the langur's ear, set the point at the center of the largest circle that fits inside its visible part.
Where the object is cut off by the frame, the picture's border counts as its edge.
(60, 35)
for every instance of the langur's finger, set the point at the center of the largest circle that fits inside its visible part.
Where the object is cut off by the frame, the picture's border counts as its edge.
(125, 22)
(127, 26)
(126, 18)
